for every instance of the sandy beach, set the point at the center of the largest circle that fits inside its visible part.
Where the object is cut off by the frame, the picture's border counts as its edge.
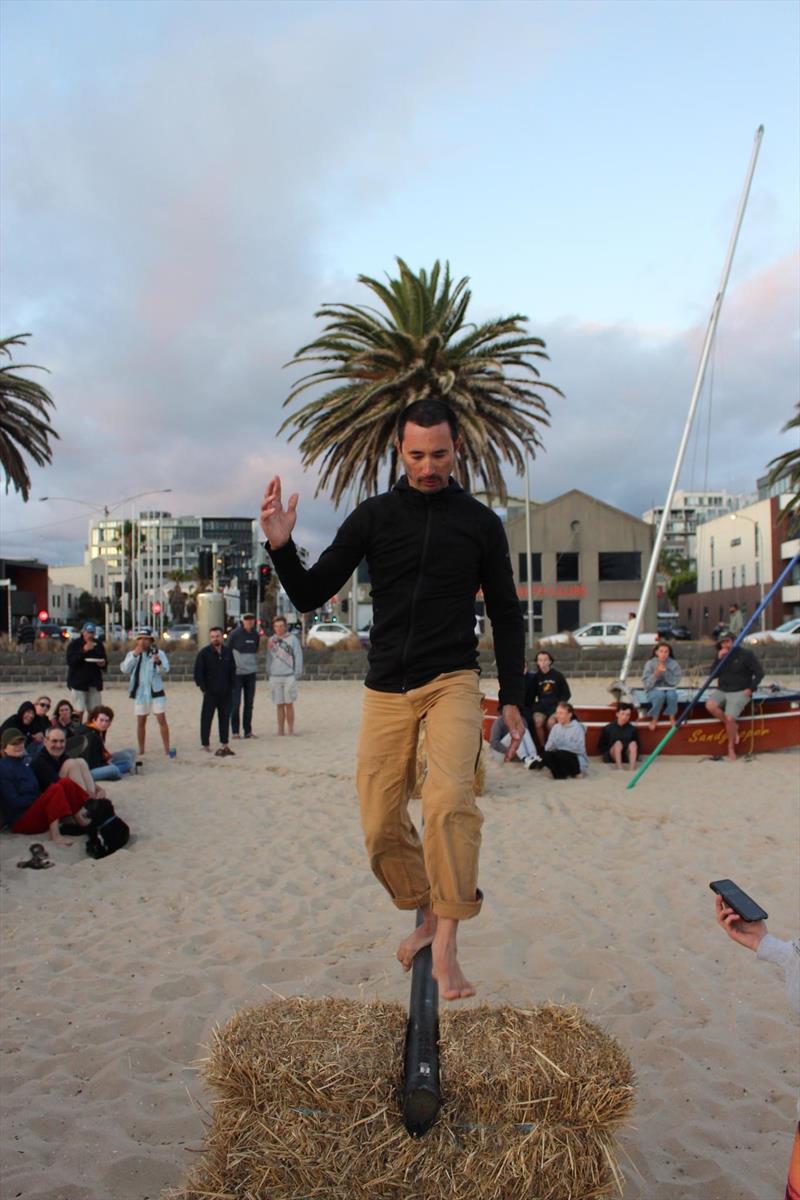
(246, 877)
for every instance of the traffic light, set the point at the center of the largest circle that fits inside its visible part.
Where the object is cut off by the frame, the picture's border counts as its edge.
(264, 576)
(205, 566)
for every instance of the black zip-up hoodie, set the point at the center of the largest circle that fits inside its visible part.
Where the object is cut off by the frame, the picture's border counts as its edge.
(427, 556)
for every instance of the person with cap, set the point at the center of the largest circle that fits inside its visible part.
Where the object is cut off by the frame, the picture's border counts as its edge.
(146, 664)
(25, 805)
(86, 661)
(214, 674)
(737, 678)
(243, 644)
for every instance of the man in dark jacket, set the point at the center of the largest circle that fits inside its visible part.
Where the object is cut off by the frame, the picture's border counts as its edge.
(429, 548)
(86, 661)
(214, 674)
(26, 636)
(243, 644)
(736, 682)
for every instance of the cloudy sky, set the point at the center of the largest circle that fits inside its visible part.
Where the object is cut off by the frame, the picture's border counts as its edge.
(183, 183)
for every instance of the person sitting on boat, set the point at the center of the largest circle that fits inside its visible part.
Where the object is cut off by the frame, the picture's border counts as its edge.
(565, 752)
(620, 739)
(660, 679)
(736, 682)
(544, 688)
(500, 741)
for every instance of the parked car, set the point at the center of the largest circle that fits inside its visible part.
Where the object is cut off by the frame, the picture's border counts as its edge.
(789, 631)
(598, 633)
(675, 631)
(180, 633)
(363, 636)
(68, 632)
(330, 634)
(48, 629)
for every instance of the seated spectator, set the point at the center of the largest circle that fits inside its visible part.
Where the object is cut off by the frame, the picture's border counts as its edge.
(565, 752)
(41, 721)
(26, 806)
(544, 688)
(738, 673)
(660, 678)
(620, 740)
(52, 764)
(104, 764)
(64, 718)
(500, 740)
(24, 720)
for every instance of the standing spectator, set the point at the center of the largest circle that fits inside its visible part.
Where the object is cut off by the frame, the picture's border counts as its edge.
(214, 674)
(735, 620)
(86, 661)
(544, 688)
(284, 668)
(660, 679)
(629, 628)
(736, 682)
(147, 664)
(619, 740)
(26, 636)
(243, 643)
(565, 752)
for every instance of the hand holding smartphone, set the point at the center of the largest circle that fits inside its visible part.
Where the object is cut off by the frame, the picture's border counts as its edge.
(743, 905)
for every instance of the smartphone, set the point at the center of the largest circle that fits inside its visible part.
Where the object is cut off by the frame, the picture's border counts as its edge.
(743, 905)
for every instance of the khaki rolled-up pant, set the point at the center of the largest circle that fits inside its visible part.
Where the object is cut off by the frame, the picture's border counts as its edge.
(441, 872)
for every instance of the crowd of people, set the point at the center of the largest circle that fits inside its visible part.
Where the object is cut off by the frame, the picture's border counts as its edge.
(555, 738)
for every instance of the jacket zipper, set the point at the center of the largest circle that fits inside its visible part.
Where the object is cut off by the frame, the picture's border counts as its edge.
(414, 596)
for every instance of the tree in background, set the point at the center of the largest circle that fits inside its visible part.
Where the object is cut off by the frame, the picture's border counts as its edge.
(788, 464)
(420, 345)
(25, 428)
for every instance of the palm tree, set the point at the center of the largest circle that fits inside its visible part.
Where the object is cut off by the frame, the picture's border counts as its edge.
(421, 345)
(788, 464)
(25, 427)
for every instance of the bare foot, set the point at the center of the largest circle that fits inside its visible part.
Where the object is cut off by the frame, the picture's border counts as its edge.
(652, 726)
(60, 841)
(453, 984)
(421, 936)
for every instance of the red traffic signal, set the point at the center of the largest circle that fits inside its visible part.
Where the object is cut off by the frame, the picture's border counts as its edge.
(156, 608)
(43, 614)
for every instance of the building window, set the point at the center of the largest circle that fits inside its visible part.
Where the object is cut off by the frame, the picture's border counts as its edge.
(620, 564)
(536, 567)
(567, 572)
(758, 572)
(744, 582)
(568, 614)
(733, 576)
(720, 579)
(712, 553)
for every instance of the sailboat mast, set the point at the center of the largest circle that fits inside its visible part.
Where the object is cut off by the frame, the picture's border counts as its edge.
(696, 390)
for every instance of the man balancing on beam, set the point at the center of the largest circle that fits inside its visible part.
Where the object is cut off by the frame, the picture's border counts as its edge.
(429, 548)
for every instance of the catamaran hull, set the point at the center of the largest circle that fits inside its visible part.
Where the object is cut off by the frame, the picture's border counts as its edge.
(770, 723)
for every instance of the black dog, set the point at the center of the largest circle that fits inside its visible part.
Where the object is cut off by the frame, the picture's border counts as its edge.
(107, 831)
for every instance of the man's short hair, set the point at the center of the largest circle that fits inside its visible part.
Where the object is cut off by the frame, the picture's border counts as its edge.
(624, 706)
(216, 629)
(101, 710)
(277, 618)
(427, 413)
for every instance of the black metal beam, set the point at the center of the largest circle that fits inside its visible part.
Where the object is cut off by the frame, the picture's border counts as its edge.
(421, 1096)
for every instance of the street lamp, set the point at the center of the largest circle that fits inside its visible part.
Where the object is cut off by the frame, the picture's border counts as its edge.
(106, 510)
(737, 516)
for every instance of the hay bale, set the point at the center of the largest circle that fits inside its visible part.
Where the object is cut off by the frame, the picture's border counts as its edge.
(309, 1107)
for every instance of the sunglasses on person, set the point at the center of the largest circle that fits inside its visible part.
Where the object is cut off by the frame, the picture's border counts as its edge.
(45, 704)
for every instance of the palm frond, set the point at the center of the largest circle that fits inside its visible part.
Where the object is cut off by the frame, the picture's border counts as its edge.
(25, 428)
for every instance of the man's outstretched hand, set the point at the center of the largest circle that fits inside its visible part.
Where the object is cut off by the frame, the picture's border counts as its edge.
(515, 725)
(278, 522)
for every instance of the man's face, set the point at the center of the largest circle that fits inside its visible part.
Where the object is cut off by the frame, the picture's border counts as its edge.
(428, 456)
(544, 662)
(215, 637)
(143, 644)
(724, 647)
(248, 623)
(102, 721)
(54, 743)
(15, 749)
(623, 716)
(280, 629)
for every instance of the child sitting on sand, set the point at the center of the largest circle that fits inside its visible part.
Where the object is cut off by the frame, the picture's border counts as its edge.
(620, 740)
